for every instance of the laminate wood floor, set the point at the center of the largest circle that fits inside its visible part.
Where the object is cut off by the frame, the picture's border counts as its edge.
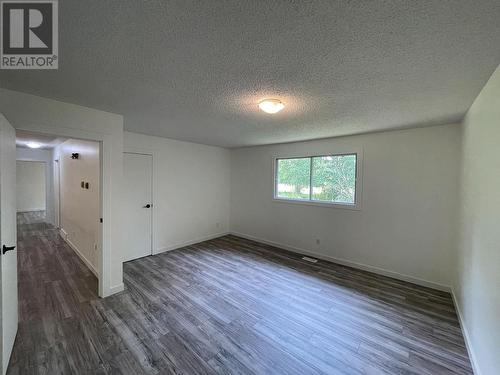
(225, 306)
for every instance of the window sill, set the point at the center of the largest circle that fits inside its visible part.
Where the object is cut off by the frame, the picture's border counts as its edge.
(342, 206)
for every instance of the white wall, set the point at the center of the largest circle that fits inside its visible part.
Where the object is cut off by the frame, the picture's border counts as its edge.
(406, 225)
(477, 282)
(30, 186)
(46, 156)
(79, 207)
(191, 189)
(33, 113)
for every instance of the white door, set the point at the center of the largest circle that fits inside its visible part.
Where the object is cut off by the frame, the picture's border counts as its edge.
(138, 205)
(8, 258)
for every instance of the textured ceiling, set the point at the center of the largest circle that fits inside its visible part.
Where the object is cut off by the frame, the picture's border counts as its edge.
(195, 70)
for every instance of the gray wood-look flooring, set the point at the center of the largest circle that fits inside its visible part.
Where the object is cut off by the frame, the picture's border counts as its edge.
(225, 306)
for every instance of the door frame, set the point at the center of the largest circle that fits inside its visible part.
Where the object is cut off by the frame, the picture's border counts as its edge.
(106, 141)
(136, 151)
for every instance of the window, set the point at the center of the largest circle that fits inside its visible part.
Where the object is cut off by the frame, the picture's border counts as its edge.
(329, 179)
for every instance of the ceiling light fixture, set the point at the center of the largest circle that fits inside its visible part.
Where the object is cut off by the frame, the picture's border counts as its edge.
(271, 105)
(33, 145)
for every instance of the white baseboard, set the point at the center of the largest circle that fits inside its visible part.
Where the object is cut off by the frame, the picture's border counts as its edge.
(345, 262)
(64, 235)
(117, 288)
(468, 344)
(188, 243)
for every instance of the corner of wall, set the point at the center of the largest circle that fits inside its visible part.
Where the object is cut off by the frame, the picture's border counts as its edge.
(476, 265)
(467, 338)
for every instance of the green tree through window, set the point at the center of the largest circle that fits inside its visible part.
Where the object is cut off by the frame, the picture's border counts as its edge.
(330, 178)
(334, 178)
(294, 178)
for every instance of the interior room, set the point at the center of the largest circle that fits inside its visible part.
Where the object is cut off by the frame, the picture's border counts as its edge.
(247, 187)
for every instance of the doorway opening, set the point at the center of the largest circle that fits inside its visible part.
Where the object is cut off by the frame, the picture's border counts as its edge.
(31, 186)
(59, 209)
(52, 279)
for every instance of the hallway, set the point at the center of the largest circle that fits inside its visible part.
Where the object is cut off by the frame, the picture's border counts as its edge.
(54, 284)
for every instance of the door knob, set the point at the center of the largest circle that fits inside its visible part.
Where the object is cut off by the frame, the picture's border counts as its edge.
(147, 206)
(7, 248)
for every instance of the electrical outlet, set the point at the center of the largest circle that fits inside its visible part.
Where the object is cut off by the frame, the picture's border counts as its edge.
(318, 241)
(218, 225)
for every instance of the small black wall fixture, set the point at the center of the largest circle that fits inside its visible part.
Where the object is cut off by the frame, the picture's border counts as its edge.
(75, 155)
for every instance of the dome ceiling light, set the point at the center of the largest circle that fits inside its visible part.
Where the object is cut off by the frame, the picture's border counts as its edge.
(33, 145)
(271, 106)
